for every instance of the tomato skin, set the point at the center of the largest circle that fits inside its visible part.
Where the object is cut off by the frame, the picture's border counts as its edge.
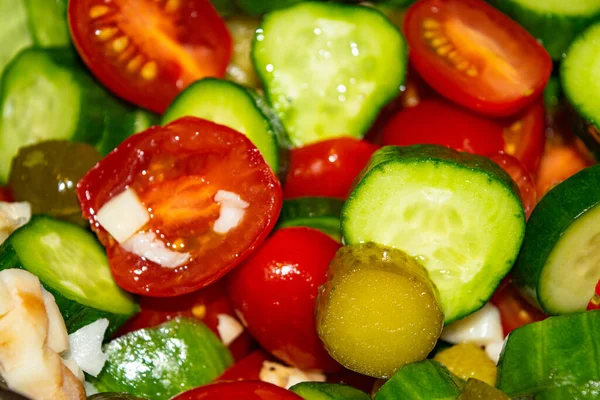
(5, 194)
(326, 168)
(205, 304)
(176, 171)
(187, 43)
(515, 311)
(246, 369)
(437, 121)
(274, 293)
(525, 136)
(559, 162)
(247, 390)
(500, 84)
(521, 177)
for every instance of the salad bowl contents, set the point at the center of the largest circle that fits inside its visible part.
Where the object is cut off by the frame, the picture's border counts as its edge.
(290, 199)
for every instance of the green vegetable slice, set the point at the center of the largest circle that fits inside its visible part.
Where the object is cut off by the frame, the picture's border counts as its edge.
(352, 63)
(322, 213)
(158, 363)
(71, 265)
(14, 32)
(48, 22)
(552, 355)
(437, 204)
(328, 391)
(425, 380)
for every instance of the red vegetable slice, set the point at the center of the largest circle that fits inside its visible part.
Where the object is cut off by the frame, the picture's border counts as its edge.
(176, 171)
(519, 174)
(246, 390)
(475, 55)
(147, 51)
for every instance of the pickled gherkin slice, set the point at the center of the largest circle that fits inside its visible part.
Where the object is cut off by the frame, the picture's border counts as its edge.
(378, 310)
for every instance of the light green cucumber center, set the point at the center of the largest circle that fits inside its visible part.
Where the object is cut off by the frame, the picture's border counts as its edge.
(573, 267)
(562, 7)
(462, 226)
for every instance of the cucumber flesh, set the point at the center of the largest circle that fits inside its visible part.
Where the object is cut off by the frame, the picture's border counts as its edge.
(72, 266)
(559, 264)
(14, 31)
(328, 391)
(48, 22)
(352, 63)
(544, 18)
(437, 204)
(551, 355)
(227, 103)
(160, 362)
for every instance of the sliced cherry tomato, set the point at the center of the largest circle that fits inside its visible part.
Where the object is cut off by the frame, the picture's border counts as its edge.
(519, 174)
(176, 172)
(525, 137)
(246, 390)
(206, 304)
(274, 293)
(147, 51)
(594, 303)
(515, 311)
(247, 369)
(437, 121)
(5, 194)
(559, 162)
(475, 55)
(327, 168)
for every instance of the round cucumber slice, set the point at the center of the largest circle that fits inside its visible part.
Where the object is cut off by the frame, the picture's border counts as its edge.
(559, 264)
(71, 265)
(459, 214)
(322, 213)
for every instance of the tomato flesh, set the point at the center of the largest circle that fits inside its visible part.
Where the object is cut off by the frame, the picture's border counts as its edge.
(475, 55)
(436, 121)
(176, 171)
(515, 311)
(274, 293)
(521, 177)
(147, 51)
(247, 390)
(525, 136)
(326, 168)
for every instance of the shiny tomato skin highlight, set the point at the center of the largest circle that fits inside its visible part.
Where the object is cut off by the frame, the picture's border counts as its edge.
(475, 55)
(274, 293)
(326, 168)
(176, 171)
(437, 121)
(521, 177)
(246, 390)
(148, 51)
(525, 137)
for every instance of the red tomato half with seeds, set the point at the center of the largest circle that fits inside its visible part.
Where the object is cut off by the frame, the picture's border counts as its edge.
(147, 51)
(177, 171)
(274, 293)
(437, 121)
(246, 390)
(515, 311)
(475, 55)
(327, 168)
(521, 177)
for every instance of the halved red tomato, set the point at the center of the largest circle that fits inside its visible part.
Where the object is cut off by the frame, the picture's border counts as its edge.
(437, 121)
(475, 55)
(176, 172)
(519, 174)
(147, 51)
(525, 137)
(247, 390)
(515, 311)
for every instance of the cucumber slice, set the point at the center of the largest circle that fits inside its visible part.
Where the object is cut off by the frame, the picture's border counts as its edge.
(559, 264)
(14, 31)
(46, 94)
(328, 69)
(544, 18)
(48, 22)
(580, 82)
(425, 380)
(137, 120)
(328, 391)
(259, 7)
(437, 204)
(72, 266)
(552, 354)
(322, 213)
(227, 103)
(158, 363)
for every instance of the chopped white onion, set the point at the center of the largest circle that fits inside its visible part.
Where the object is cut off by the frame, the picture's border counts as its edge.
(229, 328)
(481, 328)
(231, 213)
(12, 217)
(494, 349)
(286, 377)
(147, 245)
(123, 215)
(86, 347)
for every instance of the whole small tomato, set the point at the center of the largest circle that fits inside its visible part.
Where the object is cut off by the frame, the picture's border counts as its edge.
(208, 305)
(246, 369)
(326, 168)
(274, 294)
(247, 390)
(437, 121)
(519, 174)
